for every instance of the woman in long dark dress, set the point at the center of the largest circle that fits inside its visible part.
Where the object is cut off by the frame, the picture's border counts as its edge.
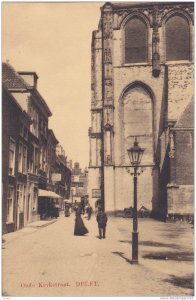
(79, 228)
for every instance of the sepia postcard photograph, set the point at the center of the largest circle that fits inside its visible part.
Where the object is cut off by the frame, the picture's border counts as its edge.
(98, 149)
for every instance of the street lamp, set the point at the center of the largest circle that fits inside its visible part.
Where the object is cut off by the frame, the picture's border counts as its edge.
(135, 154)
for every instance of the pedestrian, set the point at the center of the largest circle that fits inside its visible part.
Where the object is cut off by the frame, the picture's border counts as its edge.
(102, 221)
(89, 211)
(79, 228)
(82, 205)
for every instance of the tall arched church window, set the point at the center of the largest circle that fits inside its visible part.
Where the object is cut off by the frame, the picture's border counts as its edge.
(135, 41)
(177, 38)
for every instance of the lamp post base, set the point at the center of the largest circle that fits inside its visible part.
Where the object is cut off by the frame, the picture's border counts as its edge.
(134, 248)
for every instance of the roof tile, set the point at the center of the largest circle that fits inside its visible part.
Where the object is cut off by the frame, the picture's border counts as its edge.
(11, 79)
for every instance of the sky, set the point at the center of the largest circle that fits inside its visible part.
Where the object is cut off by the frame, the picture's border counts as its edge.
(54, 40)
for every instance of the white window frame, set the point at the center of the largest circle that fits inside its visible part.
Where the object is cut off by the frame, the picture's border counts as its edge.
(10, 205)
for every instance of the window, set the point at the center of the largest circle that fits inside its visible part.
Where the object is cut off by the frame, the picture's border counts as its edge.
(24, 163)
(20, 197)
(20, 157)
(24, 195)
(135, 41)
(44, 159)
(25, 133)
(10, 204)
(41, 157)
(36, 160)
(35, 197)
(177, 39)
(11, 157)
(34, 117)
(22, 130)
(31, 158)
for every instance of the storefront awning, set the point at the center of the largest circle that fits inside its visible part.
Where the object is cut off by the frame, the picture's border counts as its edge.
(48, 194)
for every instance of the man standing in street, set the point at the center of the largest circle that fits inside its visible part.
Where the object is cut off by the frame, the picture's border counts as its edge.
(102, 221)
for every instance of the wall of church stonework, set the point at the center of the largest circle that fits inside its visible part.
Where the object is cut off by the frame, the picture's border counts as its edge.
(109, 188)
(124, 189)
(93, 184)
(97, 70)
(123, 77)
(180, 88)
(180, 199)
(184, 158)
(96, 122)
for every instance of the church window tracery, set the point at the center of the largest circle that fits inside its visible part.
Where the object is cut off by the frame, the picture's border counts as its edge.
(177, 34)
(135, 41)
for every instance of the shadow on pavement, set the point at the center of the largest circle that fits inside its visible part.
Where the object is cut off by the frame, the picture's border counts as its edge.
(152, 244)
(121, 254)
(178, 256)
(185, 282)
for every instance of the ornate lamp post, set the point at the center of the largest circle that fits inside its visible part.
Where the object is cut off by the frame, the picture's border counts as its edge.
(135, 154)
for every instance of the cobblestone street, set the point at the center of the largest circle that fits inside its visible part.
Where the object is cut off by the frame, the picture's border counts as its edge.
(51, 261)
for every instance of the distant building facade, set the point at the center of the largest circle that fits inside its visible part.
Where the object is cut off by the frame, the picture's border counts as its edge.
(142, 85)
(62, 186)
(79, 182)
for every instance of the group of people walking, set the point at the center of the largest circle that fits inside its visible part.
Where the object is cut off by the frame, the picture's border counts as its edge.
(101, 218)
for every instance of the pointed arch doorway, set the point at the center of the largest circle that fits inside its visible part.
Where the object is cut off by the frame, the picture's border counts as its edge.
(137, 115)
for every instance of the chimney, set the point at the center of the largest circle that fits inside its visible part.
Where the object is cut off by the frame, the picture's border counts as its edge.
(30, 78)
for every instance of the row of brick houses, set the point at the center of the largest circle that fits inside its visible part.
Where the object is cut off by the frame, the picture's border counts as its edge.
(31, 164)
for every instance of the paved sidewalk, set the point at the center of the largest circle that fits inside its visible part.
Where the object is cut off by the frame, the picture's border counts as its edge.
(29, 228)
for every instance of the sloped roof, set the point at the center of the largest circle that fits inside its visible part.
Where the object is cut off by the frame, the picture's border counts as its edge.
(11, 79)
(51, 133)
(186, 119)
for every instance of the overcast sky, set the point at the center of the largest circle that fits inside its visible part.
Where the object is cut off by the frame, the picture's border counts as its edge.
(54, 40)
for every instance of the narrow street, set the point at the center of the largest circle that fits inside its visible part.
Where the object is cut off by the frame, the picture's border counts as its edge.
(51, 261)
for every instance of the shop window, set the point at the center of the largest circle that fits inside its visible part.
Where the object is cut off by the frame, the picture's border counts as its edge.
(10, 204)
(12, 147)
(177, 39)
(135, 41)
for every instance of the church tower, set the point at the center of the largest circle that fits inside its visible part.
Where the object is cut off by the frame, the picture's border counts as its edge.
(142, 82)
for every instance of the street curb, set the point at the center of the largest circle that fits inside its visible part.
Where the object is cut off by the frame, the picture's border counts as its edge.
(19, 233)
(42, 225)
